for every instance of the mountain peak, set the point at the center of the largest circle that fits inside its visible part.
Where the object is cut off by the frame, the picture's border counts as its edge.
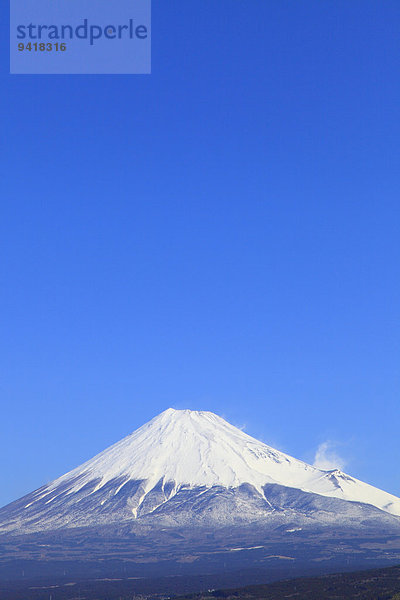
(177, 413)
(193, 448)
(181, 452)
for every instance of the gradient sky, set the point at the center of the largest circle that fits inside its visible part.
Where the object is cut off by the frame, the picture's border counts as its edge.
(220, 235)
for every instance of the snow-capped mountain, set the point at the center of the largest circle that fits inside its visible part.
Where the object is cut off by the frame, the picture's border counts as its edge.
(186, 464)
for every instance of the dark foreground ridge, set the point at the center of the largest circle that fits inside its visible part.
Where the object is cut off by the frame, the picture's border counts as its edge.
(373, 584)
(378, 584)
(100, 564)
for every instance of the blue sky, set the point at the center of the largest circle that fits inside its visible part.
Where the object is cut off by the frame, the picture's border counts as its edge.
(220, 235)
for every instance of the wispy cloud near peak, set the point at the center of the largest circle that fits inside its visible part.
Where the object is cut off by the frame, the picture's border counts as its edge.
(327, 458)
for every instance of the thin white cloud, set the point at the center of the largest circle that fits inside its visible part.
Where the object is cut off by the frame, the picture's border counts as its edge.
(327, 458)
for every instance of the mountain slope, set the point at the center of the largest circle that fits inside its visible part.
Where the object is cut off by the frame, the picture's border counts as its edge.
(189, 464)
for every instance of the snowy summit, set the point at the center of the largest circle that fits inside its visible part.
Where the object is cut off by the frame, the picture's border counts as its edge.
(179, 451)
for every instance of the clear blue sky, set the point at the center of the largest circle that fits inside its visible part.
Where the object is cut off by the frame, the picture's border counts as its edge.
(221, 235)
